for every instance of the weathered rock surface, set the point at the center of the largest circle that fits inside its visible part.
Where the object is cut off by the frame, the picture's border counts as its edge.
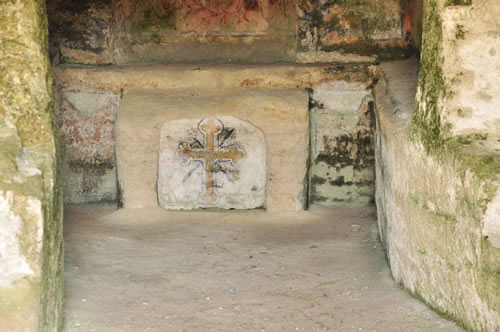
(30, 196)
(213, 162)
(491, 221)
(453, 166)
(471, 66)
(282, 115)
(342, 148)
(458, 91)
(436, 211)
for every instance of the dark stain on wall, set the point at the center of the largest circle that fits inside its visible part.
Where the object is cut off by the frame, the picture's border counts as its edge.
(343, 161)
(95, 167)
(83, 25)
(340, 181)
(251, 4)
(355, 150)
(92, 173)
(317, 180)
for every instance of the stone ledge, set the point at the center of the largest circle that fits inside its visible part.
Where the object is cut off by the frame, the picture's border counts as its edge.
(206, 77)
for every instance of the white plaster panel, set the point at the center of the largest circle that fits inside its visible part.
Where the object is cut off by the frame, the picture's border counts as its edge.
(240, 174)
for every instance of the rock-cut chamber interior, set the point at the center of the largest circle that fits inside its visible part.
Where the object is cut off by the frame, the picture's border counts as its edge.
(251, 165)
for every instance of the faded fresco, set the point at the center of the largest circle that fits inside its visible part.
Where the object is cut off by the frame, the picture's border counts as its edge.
(85, 122)
(362, 26)
(126, 31)
(251, 16)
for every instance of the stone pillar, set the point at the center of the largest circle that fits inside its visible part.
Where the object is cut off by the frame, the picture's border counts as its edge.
(31, 247)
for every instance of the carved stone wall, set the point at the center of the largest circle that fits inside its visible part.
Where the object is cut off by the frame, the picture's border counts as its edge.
(31, 246)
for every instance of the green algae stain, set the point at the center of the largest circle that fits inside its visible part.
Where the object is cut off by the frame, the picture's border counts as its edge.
(484, 164)
(152, 25)
(449, 3)
(426, 122)
(489, 275)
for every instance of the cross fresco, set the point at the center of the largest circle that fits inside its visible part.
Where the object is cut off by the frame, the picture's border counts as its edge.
(210, 155)
(212, 162)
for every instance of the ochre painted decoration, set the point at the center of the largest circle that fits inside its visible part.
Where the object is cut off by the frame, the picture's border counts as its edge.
(211, 154)
(212, 162)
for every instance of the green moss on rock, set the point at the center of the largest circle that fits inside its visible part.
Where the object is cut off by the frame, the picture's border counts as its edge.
(483, 163)
(426, 122)
(489, 275)
(458, 3)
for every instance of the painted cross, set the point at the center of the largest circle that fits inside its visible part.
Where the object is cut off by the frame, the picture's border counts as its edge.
(210, 155)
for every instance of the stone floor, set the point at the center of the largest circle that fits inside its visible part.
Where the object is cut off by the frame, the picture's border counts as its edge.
(152, 270)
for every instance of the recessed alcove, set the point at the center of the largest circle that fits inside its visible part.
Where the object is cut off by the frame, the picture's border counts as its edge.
(326, 109)
(249, 165)
(271, 161)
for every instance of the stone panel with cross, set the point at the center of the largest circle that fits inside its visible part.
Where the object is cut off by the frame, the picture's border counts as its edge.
(213, 162)
(270, 126)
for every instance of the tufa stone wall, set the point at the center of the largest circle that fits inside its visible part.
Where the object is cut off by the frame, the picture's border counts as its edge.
(456, 130)
(31, 247)
(458, 91)
(438, 207)
(470, 47)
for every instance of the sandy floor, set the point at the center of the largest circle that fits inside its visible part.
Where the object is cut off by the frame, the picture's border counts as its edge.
(152, 270)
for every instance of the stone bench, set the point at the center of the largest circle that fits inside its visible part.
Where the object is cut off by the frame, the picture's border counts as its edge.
(341, 154)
